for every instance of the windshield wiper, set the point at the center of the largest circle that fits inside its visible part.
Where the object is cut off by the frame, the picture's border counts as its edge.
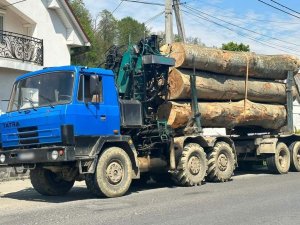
(47, 99)
(31, 103)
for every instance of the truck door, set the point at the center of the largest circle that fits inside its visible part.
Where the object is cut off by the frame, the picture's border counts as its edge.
(93, 111)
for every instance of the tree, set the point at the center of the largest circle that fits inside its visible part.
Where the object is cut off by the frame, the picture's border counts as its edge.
(232, 46)
(130, 30)
(105, 34)
(83, 55)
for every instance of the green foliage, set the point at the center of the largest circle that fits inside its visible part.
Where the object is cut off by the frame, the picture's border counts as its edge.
(103, 31)
(130, 30)
(84, 55)
(106, 33)
(83, 15)
(232, 46)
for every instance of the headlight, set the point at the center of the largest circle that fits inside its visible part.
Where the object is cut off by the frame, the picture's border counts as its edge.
(54, 155)
(2, 158)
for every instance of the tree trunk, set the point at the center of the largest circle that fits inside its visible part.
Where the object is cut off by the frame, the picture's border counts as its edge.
(223, 87)
(225, 114)
(272, 67)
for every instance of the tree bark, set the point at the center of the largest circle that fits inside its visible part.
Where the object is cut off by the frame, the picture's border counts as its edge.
(225, 114)
(272, 67)
(223, 87)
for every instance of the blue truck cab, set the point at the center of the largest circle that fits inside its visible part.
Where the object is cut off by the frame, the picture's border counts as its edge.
(54, 111)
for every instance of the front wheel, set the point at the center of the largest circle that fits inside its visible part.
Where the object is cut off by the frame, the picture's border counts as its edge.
(221, 163)
(280, 161)
(113, 174)
(48, 183)
(192, 166)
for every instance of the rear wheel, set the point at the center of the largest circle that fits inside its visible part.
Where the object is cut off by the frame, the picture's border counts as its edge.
(280, 161)
(295, 156)
(221, 163)
(48, 183)
(192, 166)
(113, 174)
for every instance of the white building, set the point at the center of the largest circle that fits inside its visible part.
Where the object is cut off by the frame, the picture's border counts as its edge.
(35, 34)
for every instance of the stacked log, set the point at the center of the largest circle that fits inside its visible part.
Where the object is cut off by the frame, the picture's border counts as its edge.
(225, 114)
(273, 67)
(221, 89)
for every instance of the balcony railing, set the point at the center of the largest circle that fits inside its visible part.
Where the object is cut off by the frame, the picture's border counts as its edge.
(21, 47)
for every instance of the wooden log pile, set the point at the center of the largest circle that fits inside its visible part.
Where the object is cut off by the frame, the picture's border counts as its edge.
(227, 97)
(225, 88)
(273, 67)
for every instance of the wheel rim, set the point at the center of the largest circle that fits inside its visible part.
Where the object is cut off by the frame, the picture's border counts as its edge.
(114, 172)
(283, 159)
(222, 162)
(194, 165)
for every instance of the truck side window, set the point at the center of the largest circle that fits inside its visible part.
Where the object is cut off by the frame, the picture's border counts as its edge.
(88, 97)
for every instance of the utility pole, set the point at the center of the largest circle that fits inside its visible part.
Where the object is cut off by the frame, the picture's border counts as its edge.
(169, 22)
(179, 22)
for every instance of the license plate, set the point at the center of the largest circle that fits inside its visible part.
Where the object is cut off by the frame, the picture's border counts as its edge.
(26, 156)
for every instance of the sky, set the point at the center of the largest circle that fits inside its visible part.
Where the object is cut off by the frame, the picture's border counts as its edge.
(265, 29)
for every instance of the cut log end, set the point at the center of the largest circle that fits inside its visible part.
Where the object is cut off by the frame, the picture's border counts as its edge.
(225, 115)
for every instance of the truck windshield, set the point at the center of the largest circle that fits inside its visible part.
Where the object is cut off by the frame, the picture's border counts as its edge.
(47, 89)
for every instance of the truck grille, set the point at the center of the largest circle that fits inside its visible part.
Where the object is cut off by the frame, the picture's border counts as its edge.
(28, 135)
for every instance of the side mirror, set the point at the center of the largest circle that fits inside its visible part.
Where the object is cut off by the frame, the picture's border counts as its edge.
(94, 85)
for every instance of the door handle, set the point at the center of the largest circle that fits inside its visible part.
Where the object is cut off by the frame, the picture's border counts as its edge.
(103, 117)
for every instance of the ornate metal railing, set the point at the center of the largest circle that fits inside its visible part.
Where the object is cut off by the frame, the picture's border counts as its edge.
(21, 47)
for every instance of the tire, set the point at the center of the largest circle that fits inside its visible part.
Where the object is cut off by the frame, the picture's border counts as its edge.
(48, 183)
(113, 174)
(279, 163)
(192, 166)
(295, 156)
(221, 163)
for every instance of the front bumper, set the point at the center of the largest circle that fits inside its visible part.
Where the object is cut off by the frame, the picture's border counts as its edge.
(36, 155)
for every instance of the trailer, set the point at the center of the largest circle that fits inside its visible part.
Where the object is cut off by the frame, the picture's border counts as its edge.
(100, 125)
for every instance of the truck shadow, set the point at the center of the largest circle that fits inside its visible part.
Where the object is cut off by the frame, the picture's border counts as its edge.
(253, 169)
(29, 194)
(80, 192)
(77, 193)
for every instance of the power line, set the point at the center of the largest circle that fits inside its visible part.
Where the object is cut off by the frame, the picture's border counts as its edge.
(285, 7)
(264, 43)
(239, 18)
(232, 24)
(154, 17)
(278, 9)
(143, 2)
(291, 49)
(117, 7)
(152, 3)
(259, 20)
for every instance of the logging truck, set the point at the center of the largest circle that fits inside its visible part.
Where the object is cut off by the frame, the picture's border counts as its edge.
(110, 126)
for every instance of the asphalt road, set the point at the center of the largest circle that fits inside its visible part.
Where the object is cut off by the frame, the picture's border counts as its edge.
(249, 199)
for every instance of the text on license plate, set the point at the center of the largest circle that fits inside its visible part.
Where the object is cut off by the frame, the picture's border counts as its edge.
(26, 156)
